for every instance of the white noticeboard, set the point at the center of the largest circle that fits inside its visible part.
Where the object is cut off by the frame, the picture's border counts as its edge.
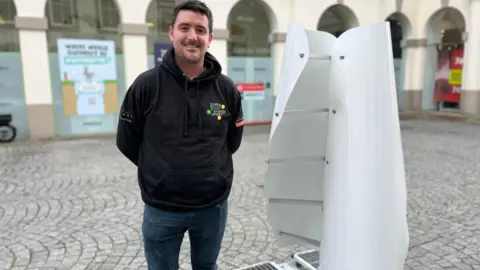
(254, 95)
(335, 175)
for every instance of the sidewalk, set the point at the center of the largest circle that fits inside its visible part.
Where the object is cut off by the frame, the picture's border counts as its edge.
(436, 115)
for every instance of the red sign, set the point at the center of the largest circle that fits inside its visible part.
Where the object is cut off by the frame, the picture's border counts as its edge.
(448, 78)
(244, 87)
(457, 59)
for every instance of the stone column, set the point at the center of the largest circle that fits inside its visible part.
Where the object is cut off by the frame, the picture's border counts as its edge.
(218, 47)
(277, 39)
(470, 95)
(36, 75)
(415, 50)
(134, 50)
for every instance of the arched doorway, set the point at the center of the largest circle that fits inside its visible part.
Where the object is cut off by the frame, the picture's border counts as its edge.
(250, 58)
(86, 65)
(399, 29)
(12, 94)
(444, 60)
(337, 19)
(159, 16)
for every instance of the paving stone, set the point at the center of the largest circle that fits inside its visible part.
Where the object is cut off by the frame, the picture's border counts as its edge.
(75, 204)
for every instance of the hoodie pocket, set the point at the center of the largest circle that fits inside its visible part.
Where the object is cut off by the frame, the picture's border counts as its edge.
(196, 187)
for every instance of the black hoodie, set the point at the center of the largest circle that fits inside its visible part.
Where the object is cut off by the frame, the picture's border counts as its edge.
(181, 133)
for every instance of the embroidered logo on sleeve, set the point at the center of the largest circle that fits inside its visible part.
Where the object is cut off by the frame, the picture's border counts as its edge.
(239, 122)
(126, 116)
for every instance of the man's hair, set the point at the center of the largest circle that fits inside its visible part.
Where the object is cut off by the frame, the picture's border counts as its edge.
(195, 6)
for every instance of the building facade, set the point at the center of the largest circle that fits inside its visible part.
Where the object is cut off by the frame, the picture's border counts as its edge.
(66, 64)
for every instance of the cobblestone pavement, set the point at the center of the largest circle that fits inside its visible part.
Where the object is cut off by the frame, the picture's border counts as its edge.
(74, 204)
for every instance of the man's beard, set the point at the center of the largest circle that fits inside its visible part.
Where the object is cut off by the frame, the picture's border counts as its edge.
(192, 61)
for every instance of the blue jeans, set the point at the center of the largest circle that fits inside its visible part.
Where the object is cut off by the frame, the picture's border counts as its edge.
(163, 233)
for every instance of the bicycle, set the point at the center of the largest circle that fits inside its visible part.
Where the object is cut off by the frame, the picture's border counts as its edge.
(8, 132)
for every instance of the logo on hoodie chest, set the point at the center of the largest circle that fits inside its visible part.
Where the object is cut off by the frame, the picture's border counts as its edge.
(217, 110)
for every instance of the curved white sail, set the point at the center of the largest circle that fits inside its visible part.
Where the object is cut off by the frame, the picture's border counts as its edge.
(296, 157)
(365, 225)
(336, 172)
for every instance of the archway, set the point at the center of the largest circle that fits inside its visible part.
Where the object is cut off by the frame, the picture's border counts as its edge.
(337, 19)
(399, 29)
(443, 74)
(12, 101)
(86, 65)
(159, 17)
(250, 65)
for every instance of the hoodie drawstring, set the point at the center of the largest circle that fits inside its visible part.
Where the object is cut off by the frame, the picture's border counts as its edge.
(199, 109)
(185, 109)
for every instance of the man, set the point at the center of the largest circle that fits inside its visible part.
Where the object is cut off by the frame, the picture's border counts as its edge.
(180, 123)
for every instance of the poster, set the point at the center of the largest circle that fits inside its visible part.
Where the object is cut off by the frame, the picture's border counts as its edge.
(252, 91)
(88, 74)
(456, 66)
(160, 50)
(448, 76)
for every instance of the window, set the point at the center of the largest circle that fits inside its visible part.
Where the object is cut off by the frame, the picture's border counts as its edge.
(159, 16)
(108, 15)
(7, 12)
(61, 13)
(83, 19)
(397, 36)
(9, 41)
(163, 21)
(249, 38)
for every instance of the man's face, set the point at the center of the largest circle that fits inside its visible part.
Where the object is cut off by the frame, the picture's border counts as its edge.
(190, 36)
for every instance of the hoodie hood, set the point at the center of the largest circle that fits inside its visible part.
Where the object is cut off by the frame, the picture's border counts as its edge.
(212, 67)
(208, 77)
